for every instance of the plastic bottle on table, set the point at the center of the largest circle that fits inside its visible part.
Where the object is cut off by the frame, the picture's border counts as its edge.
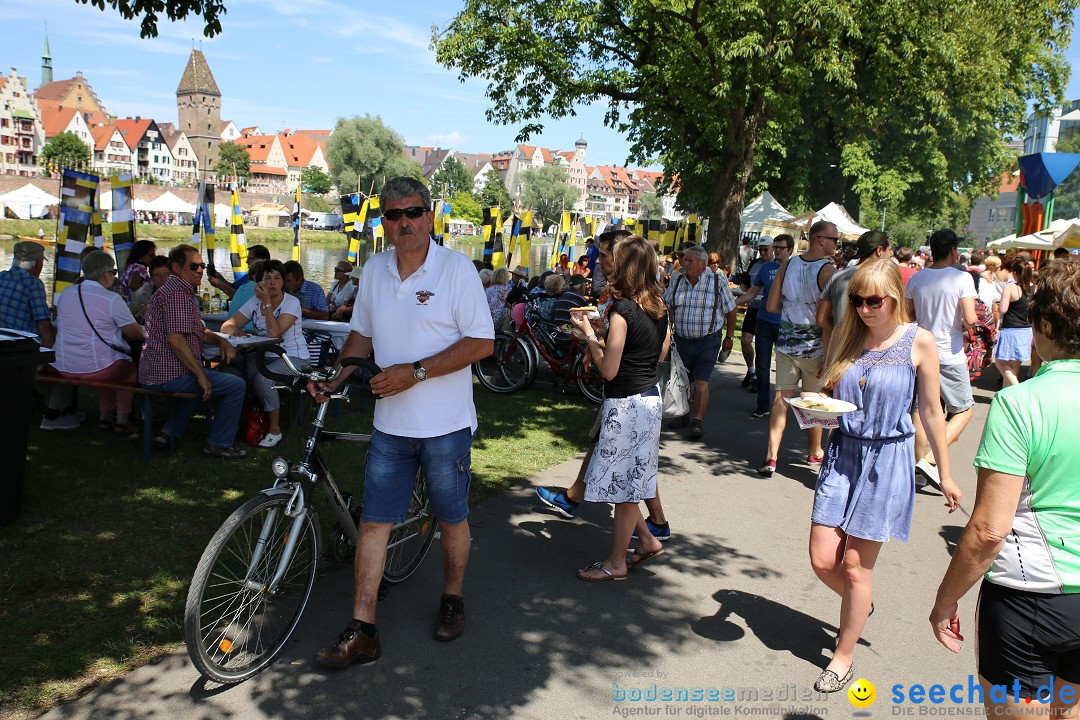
(206, 301)
(215, 303)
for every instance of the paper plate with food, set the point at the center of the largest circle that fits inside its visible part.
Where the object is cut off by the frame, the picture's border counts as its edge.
(822, 407)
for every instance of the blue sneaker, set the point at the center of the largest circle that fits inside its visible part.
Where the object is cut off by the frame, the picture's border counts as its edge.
(556, 498)
(660, 532)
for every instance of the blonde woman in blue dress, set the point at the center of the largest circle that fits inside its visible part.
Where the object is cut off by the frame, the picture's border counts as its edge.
(866, 486)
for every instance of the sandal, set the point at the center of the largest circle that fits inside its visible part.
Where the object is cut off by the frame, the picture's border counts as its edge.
(126, 429)
(830, 682)
(161, 441)
(598, 565)
(638, 558)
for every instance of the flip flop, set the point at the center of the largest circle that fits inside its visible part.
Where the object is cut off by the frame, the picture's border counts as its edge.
(637, 558)
(598, 565)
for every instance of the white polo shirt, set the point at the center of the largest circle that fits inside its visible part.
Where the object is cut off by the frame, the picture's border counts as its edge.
(78, 349)
(439, 304)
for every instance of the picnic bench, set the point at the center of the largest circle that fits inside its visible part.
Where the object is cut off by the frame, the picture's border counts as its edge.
(143, 395)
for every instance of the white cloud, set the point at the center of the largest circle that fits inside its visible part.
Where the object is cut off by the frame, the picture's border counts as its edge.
(448, 139)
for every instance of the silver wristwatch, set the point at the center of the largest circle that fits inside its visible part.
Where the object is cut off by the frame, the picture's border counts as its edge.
(419, 372)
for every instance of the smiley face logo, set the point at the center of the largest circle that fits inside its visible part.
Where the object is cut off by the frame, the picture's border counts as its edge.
(862, 693)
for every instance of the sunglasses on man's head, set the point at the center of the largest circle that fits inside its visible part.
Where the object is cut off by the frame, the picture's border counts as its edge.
(197, 266)
(410, 212)
(873, 301)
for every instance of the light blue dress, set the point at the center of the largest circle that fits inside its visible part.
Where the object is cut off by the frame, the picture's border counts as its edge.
(866, 486)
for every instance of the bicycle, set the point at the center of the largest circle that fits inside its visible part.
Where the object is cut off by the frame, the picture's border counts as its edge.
(513, 363)
(255, 576)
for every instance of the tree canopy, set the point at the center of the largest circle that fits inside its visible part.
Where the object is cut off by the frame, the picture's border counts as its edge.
(233, 159)
(464, 206)
(364, 150)
(66, 150)
(544, 189)
(451, 178)
(885, 100)
(494, 191)
(315, 180)
(149, 10)
(650, 206)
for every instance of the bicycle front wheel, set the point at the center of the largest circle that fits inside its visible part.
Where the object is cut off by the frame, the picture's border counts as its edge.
(410, 540)
(509, 368)
(237, 619)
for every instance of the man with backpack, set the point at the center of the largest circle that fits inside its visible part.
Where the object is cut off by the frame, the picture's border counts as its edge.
(702, 310)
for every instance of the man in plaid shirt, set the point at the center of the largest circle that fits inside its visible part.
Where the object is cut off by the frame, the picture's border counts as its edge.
(22, 294)
(312, 297)
(699, 301)
(172, 357)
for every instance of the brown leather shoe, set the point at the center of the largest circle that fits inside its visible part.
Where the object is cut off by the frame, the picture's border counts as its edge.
(351, 646)
(451, 618)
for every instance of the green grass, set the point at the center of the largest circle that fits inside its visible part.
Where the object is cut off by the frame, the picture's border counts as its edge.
(96, 571)
(177, 233)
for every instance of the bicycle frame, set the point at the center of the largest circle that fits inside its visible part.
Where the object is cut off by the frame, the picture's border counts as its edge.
(556, 364)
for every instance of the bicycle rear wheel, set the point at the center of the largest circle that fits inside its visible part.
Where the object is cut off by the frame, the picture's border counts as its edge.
(234, 622)
(591, 384)
(410, 540)
(509, 368)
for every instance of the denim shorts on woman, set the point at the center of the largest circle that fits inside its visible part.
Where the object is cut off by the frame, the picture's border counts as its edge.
(392, 464)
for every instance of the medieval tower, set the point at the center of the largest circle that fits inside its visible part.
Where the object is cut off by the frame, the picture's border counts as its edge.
(198, 103)
(46, 64)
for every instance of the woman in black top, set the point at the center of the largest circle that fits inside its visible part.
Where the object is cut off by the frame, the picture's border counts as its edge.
(1014, 337)
(623, 468)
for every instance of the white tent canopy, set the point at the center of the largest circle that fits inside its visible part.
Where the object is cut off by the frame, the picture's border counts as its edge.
(838, 216)
(29, 202)
(761, 211)
(1060, 232)
(167, 202)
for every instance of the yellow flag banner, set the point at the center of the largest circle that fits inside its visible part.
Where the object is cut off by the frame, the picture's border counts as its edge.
(122, 218)
(692, 228)
(237, 240)
(350, 209)
(77, 191)
(296, 225)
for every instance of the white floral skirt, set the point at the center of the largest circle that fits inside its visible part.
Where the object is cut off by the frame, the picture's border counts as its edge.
(624, 464)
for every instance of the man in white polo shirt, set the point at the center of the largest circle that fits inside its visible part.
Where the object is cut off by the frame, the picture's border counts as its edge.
(421, 308)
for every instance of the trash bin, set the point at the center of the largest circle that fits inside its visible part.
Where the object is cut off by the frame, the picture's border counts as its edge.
(20, 354)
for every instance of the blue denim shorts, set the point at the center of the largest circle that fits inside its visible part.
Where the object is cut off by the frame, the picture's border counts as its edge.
(699, 355)
(392, 464)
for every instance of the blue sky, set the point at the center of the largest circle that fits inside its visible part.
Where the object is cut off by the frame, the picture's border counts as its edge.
(295, 63)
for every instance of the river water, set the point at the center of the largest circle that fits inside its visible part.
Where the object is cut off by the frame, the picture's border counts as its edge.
(318, 259)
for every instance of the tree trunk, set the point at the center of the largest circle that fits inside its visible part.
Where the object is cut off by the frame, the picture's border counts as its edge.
(728, 194)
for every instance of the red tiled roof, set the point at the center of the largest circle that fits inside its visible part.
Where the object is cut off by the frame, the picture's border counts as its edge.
(133, 130)
(226, 123)
(258, 146)
(54, 90)
(320, 136)
(268, 170)
(55, 120)
(102, 135)
(1009, 183)
(298, 149)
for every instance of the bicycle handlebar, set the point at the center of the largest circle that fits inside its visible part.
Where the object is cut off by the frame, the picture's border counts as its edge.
(314, 375)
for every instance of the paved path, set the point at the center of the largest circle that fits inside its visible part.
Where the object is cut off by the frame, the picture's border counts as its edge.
(733, 603)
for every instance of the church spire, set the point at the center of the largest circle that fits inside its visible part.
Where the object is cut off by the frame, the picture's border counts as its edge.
(46, 62)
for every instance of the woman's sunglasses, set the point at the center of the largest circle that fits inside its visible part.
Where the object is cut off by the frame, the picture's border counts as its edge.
(410, 212)
(873, 302)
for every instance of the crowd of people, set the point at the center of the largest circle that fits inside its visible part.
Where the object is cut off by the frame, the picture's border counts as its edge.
(870, 324)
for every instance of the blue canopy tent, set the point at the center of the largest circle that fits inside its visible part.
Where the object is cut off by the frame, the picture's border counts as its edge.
(1040, 174)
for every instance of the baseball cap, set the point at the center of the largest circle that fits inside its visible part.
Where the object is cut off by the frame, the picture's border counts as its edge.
(868, 242)
(28, 251)
(764, 241)
(577, 279)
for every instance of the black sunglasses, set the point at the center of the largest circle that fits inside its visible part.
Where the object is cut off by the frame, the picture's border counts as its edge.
(410, 212)
(197, 266)
(873, 302)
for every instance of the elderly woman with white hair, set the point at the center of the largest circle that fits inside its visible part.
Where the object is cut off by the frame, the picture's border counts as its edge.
(94, 326)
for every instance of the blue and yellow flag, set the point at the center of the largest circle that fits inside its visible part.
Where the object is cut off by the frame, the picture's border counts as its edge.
(122, 218)
(374, 212)
(350, 209)
(237, 240)
(438, 228)
(77, 190)
(296, 226)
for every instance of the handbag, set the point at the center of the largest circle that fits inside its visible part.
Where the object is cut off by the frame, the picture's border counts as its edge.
(676, 388)
(255, 422)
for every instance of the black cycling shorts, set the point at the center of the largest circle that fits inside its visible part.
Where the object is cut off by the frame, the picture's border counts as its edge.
(1027, 636)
